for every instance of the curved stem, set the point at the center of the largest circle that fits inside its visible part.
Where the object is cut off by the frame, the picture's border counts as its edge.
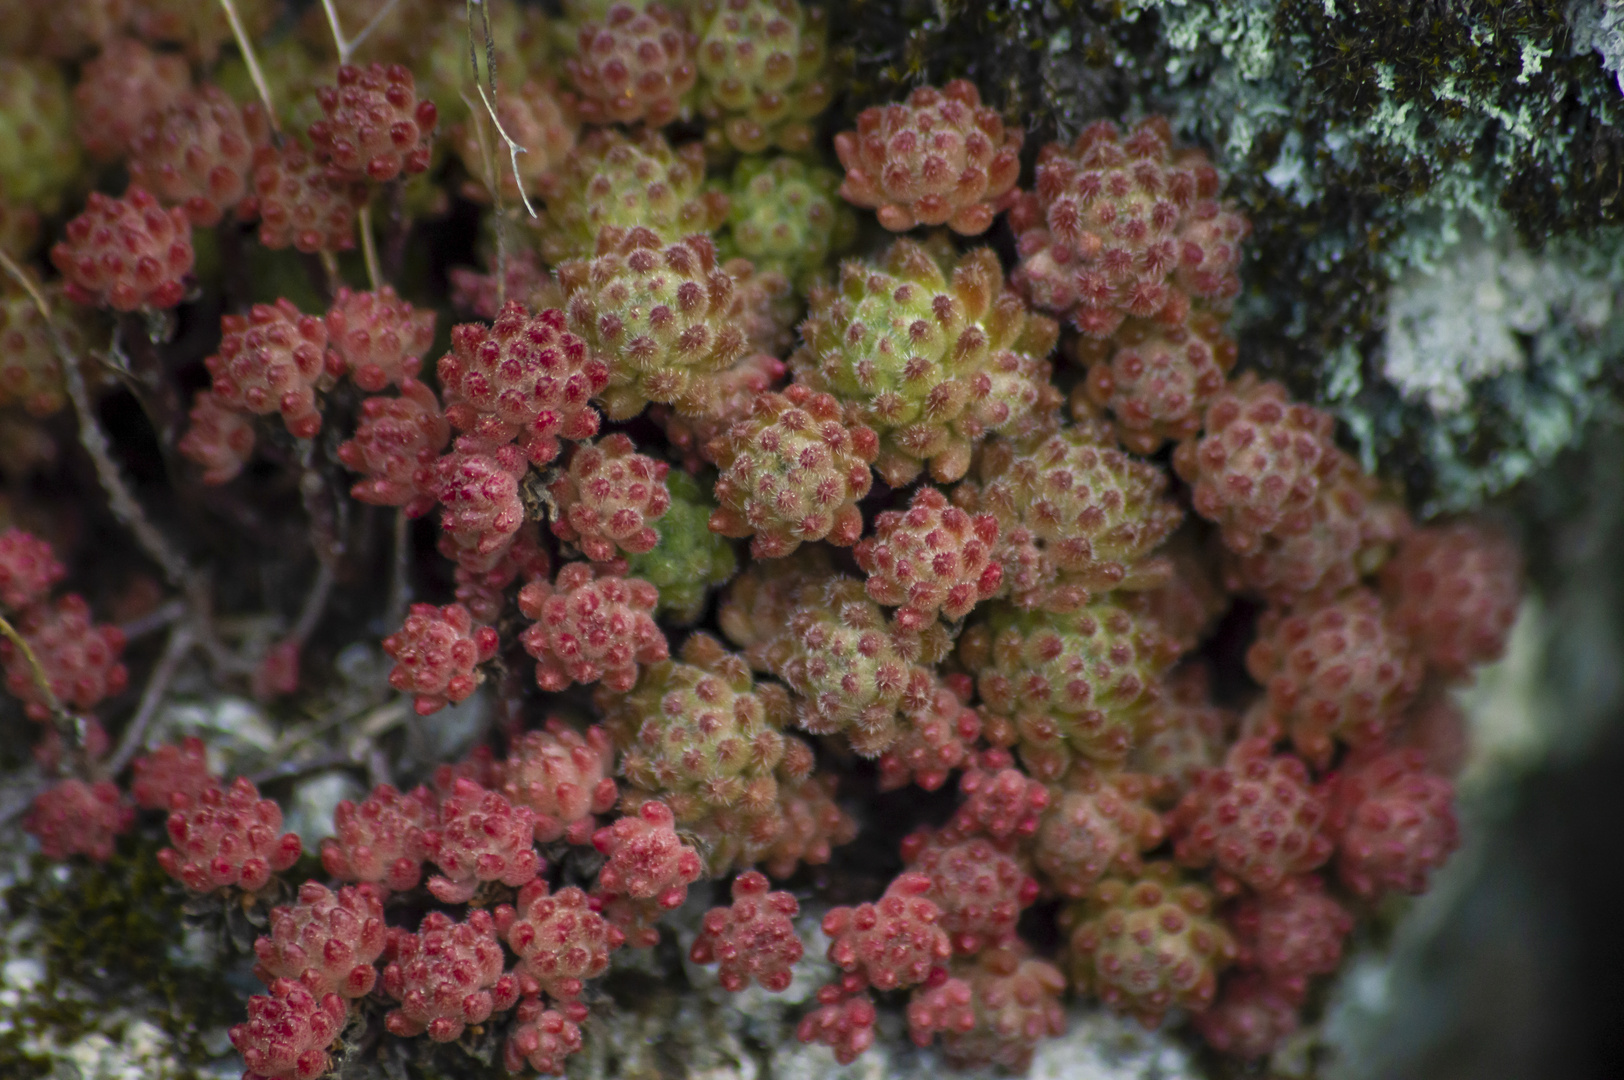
(489, 100)
(246, 47)
(94, 440)
(369, 246)
(67, 724)
(180, 643)
(400, 588)
(355, 42)
(153, 621)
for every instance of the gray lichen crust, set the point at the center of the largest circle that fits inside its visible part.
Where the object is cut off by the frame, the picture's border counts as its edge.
(1367, 141)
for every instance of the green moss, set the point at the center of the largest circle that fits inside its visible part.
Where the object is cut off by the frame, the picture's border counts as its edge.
(111, 933)
(1048, 64)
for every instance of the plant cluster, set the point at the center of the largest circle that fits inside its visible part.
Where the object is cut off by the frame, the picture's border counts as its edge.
(966, 570)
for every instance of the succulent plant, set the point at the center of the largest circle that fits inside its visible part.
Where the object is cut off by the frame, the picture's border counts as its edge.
(637, 64)
(72, 817)
(661, 316)
(764, 73)
(1454, 589)
(893, 943)
(752, 939)
(1122, 227)
(39, 151)
(373, 126)
(1339, 670)
(792, 472)
(784, 216)
(933, 357)
(447, 976)
(940, 157)
(1064, 684)
(698, 733)
(1149, 945)
(227, 837)
(609, 181)
(1075, 517)
(126, 253)
(199, 153)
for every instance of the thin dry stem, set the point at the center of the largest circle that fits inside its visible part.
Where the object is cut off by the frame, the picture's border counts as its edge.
(329, 266)
(324, 539)
(288, 770)
(20, 276)
(369, 246)
(246, 47)
(487, 156)
(378, 771)
(489, 101)
(493, 184)
(346, 48)
(400, 589)
(324, 536)
(514, 150)
(338, 34)
(119, 497)
(315, 604)
(222, 659)
(369, 27)
(153, 621)
(66, 723)
(163, 673)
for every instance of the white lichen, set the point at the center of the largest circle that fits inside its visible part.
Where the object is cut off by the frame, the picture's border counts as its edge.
(1096, 1045)
(1598, 26)
(1475, 314)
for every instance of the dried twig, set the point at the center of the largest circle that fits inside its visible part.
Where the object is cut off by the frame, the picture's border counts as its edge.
(338, 33)
(222, 659)
(246, 47)
(122, 501)
(163, 672)
(70, 727)
(369, 246)
(120, 498)
(487, 157)
(315, 603)
(329, 267)
(355, 43)
(400, 588)
(346, 48)
(514, 149)
(324, 539)
(378, 771)
(324, 536)
(153, 621)
(333, 759)
(144, 375)
(20, 276)
(359, 752)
